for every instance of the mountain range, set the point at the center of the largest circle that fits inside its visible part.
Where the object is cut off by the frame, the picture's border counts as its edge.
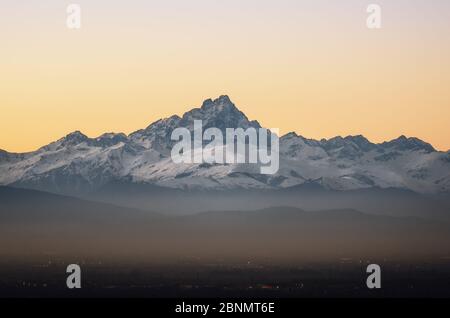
(77, 164)
(35, 223)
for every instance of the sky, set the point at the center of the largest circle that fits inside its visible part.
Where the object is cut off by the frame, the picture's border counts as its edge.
(308, 66)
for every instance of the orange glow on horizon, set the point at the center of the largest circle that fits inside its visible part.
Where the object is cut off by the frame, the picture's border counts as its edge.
(310, 68)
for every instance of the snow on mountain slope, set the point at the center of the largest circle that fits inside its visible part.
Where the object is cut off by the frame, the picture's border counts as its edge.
(77, 163)
(353, 162)
(220, 113)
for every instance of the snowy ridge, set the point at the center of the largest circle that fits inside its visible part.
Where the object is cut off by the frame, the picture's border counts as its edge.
(77, 163)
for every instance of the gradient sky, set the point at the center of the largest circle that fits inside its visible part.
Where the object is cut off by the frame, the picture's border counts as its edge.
(307, 66)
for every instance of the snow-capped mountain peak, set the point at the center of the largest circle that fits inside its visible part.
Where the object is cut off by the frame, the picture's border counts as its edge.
(74, 138)
(219, 113)
(405, 143)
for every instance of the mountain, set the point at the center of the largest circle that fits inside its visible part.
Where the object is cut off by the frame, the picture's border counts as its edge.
(77, 164)
(220, 113)
(36, 224)
(31, 207)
